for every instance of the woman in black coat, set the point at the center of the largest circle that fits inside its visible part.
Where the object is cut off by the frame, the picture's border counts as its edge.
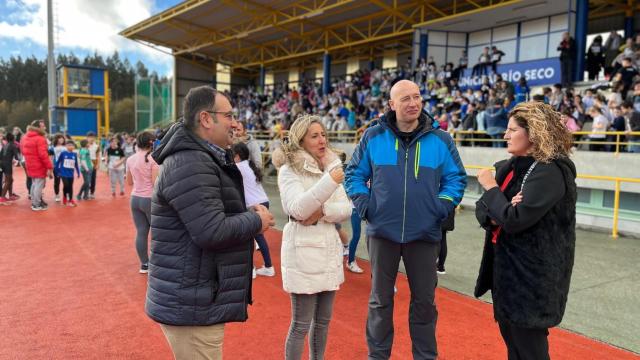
(529, 213)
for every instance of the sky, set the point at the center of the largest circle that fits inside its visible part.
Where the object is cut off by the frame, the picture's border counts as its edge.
(82, 27)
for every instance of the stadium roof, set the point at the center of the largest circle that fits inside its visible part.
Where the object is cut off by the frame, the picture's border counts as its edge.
(249, 33)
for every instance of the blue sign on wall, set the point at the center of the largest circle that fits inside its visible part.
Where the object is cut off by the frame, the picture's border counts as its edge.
(537, 72)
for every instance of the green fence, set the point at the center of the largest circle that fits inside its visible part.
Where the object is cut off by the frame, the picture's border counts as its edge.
(154, 105)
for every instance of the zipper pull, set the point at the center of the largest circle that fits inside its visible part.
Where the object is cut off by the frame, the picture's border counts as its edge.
(406, 155)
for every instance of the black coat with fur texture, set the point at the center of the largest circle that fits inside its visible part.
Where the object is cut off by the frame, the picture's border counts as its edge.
(529, 269)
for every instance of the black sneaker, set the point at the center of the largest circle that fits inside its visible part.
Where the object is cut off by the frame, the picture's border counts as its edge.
(144, 268)
(43, 204)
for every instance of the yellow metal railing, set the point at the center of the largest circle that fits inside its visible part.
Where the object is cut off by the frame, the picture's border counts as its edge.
(616, 198)
(470, 137)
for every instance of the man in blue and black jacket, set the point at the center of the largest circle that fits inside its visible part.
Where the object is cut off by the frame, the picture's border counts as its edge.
(417, 179)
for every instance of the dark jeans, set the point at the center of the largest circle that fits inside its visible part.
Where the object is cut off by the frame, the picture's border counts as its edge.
(566, 69)
(7, 183)
(385, 258)
(496, 143)
(56, 184)
(356, 223)
(67, 187)
(93, 181)
(86, 184)
(597, 147)
(309, 314)
(442, 257)
(525, 344)
(262, 243)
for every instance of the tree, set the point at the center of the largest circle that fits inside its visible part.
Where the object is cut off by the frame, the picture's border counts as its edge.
(24, 112)
(123, 115)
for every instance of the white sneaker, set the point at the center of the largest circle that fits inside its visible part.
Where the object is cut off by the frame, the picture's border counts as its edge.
(57, 198)
(354, 268)
(253, 273)
(266, 271)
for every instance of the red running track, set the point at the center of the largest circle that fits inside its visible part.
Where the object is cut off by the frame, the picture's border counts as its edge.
(70, 289)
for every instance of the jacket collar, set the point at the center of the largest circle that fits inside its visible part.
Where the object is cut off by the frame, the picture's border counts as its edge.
(303, 163)
(388, 120)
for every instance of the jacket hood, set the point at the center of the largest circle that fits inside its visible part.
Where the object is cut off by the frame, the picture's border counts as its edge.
(425, 120)
(567, 166)
(34, 131)
(178, 138)
(302, 162)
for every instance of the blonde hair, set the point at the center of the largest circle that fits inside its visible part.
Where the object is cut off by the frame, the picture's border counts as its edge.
(297, 132)
(547, 133)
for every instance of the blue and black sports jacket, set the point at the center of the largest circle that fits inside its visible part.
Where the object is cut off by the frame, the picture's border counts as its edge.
(413, 187)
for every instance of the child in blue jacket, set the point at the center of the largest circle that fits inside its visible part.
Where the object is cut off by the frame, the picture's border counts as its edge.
(67, 162)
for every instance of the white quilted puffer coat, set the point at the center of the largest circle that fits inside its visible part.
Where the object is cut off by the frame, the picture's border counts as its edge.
(311, 255)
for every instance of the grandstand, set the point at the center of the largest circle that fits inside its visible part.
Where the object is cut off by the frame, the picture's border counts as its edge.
(346, 54)
(338, 59)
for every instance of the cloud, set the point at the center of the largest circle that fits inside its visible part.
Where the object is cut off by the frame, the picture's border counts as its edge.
(81, 24)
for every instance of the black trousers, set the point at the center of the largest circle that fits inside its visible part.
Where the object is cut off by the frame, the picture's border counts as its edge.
(566, 70)
(56, 184)
(442, 257)
(93, 180)
(67, 187)
(525, 344)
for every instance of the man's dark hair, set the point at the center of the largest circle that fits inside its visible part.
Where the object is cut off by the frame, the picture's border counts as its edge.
(198, 99)
(91, 133)
(627, 104)
(84, 143)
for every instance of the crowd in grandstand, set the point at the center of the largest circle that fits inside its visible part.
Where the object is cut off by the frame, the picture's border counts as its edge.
(359, 98)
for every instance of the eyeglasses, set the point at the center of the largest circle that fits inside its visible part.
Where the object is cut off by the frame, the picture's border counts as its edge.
(228, 114)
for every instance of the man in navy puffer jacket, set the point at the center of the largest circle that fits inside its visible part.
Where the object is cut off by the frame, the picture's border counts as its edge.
(201, 232)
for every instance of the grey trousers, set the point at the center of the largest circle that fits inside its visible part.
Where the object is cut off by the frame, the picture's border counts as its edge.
(309, 312)
(141, 213)
(37, 185)
(116, 175)
(419, 259)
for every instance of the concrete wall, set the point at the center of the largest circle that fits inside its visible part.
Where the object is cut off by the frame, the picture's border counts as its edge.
(187, 76)
(587, 163)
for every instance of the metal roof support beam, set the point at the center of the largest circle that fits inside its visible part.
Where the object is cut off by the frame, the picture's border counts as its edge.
(248, 31)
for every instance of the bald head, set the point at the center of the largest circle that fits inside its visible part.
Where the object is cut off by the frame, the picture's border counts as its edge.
(401, 87)
(406, 101)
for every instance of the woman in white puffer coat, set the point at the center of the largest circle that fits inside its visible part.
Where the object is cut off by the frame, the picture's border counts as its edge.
(310, 180)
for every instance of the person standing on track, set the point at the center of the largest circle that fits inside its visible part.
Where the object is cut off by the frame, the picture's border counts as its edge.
(530, 221)
(37, 162)
(310, 177)
(417, 179)
(201, 231)
(142, 172)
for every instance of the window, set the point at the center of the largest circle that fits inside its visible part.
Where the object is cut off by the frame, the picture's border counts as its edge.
(628, 201)
(505, 33)
(533, 48)
(480, 37)
(584, 195)
(534, 27)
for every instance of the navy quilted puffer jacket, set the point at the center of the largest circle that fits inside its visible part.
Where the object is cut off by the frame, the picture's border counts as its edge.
(201, 236)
